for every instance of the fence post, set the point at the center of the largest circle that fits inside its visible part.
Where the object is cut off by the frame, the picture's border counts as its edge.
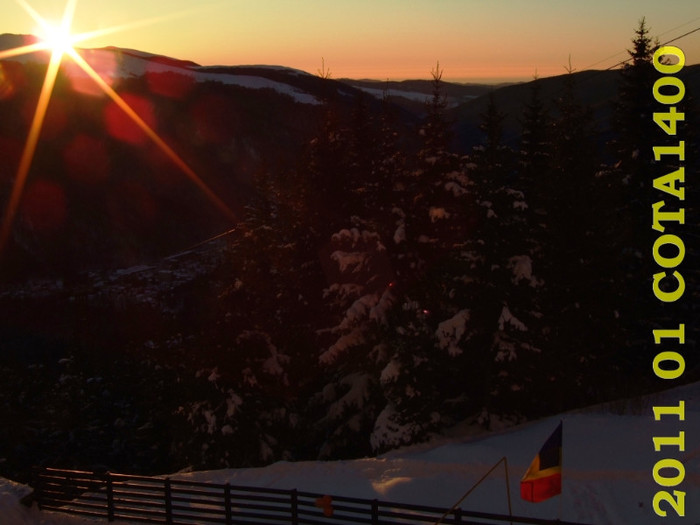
(38, 486)
(227, 503)
(168, 502)
(375, 512)
(110, 498)
(295, 507)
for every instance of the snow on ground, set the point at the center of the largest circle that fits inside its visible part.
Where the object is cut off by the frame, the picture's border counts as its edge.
(12, 512)
(253, 82)
(607, 478)
(414, 96)
(113, 63)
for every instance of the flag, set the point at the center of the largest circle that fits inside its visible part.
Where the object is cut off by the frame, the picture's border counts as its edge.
(543, 479)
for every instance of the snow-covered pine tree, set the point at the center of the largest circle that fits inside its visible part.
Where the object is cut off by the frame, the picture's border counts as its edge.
(258, 356)
(359, 295)
(436, 218)
(425, 378)
(505, 319)
(357, 292)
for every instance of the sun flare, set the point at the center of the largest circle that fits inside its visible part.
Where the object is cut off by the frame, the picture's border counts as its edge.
(57, 38)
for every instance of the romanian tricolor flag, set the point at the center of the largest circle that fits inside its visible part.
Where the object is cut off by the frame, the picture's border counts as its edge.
(543, 479)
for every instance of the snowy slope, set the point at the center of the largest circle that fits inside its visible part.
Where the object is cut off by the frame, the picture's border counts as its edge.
(113, 63)
(414, 96)
(12, 512)
(608, 462)
(126, 63)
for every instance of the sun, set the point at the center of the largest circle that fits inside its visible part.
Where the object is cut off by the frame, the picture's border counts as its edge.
(57, 38)
(54, 36)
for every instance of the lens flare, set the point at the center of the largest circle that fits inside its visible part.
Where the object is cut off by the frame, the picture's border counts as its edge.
(58, 39)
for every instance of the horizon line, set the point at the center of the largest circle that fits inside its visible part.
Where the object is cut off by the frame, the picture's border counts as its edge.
(465, 80)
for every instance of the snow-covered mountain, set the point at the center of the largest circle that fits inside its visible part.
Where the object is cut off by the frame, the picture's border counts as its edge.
(413, 94)
(113, 63)
(608, 459)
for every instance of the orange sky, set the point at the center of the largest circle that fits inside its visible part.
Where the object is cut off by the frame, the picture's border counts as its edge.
(474, 40)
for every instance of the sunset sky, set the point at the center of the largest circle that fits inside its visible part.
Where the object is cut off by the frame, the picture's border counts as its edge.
(474, 40)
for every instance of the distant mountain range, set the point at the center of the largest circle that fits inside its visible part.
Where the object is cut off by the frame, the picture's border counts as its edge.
(466, 101)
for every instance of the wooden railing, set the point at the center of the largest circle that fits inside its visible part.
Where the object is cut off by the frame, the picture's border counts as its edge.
(158, 500)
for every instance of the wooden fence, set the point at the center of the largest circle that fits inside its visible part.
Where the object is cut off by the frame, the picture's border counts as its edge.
(158, 500)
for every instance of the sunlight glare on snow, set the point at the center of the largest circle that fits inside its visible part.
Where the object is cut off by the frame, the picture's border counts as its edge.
(384, 485)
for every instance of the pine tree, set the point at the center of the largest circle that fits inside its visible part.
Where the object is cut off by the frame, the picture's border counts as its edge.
(389, 177)
(434, 217)
(628, 238)
(571, 259)
(436, 130)
(507, 248)
(574, 142)
(359, 295)
(491, 125)
(632, 112)
(504, 291)
(535, 150)
(426, 366)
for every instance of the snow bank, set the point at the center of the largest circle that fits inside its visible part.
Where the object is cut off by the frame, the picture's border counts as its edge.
(608, 458)
(607, 478)
(12, 512)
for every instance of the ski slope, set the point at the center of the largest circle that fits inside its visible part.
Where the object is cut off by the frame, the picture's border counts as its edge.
(608, 459)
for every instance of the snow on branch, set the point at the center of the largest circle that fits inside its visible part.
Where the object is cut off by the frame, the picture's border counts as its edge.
(508, 318)
(450, 332)
(354, 261)
(342, 345)
(521, 265)
(358, 311)
(390, 432)
(437, 214)
(355, 397)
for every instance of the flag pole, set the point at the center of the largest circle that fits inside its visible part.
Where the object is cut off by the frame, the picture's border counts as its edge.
(502, 460)
(561, 496)
(510, 508)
